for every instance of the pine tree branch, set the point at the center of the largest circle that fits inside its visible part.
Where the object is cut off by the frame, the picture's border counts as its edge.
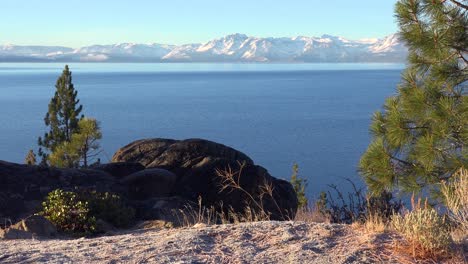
(411, 128)
(399, 160)
(459, 4)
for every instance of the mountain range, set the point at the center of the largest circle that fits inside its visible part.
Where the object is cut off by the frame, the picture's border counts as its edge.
(231, 48)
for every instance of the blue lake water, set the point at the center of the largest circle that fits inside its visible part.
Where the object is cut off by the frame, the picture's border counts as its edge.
(314, 114)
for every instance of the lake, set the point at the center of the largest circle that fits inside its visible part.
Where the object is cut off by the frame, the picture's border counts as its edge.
(317, 115)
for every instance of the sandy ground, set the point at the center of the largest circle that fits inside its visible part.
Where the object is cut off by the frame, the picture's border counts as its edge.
(260, 242)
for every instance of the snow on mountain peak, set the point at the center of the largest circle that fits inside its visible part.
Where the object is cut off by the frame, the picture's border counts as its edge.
(230, 48)
(391, 43)
(335, 38)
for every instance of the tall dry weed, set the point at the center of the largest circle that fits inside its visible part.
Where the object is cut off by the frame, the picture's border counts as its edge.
(455, 194)
(426, 231)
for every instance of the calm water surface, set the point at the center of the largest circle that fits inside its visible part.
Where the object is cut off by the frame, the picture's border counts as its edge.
(314, 114)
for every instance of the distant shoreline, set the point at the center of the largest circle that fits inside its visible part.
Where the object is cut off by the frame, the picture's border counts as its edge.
(202, 62)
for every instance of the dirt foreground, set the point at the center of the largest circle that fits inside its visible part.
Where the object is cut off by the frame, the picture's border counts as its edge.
(260, 242)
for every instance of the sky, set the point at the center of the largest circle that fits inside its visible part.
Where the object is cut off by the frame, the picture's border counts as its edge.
(76, 23)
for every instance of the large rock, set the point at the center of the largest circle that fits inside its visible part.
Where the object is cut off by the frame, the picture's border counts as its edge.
(120, 169)
(175, 154)
(36, 225)
(174, 210)
(187, 169)
(149, 183)
(11, 233)
(142, 151)
(197, 163)
(31, 227)
(23, 187)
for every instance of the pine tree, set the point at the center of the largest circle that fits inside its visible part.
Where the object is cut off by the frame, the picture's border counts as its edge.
(62, 116)
(420, 137)
(30, 158)
(299, 186)
(64, 155)
(87, 140)
(83, 146)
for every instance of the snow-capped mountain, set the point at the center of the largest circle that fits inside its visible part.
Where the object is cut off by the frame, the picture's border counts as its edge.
(124, 51)
(31, 53)
(231, 48)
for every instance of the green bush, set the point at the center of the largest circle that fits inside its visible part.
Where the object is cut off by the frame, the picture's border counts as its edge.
(77, 212)
(111, 208)
(68, 212)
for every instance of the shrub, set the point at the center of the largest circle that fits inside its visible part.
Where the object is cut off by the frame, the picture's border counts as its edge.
(109, 207)
(77, 212)
(356, 206)
(425, 230)
(68, 213)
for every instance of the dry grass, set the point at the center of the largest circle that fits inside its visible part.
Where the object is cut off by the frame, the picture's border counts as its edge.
(190, 216)
(420, 235)
(254, 209)
(375, 223)
(311, 215)
(423, 234)
(455, 194)
(254, 201)
(212, 215)
(425, 230)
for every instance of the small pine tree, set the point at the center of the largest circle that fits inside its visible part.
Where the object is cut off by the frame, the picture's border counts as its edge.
(321, 203)
(62, 116)
(87, 140)
(82, 147)
(30, 158)
(420, 138)
(299, 186)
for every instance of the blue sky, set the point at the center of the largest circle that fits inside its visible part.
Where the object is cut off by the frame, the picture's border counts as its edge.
(77, 23)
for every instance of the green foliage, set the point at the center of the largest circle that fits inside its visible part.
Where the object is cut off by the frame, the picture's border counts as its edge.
(62, 116)
(109, 207)
(30, 158)
(299, 185)
(87, 140)
(69, 213)
(321, 203)
(420, 136)
(77, 212)
(66, 155)
(82, 146)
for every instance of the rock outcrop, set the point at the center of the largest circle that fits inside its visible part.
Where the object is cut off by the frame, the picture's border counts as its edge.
(36, 225)
(119, 169)
(23, 187)
(197, 163)
(33, 226)
(149, 183)
(175, 154)
(155, 176)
